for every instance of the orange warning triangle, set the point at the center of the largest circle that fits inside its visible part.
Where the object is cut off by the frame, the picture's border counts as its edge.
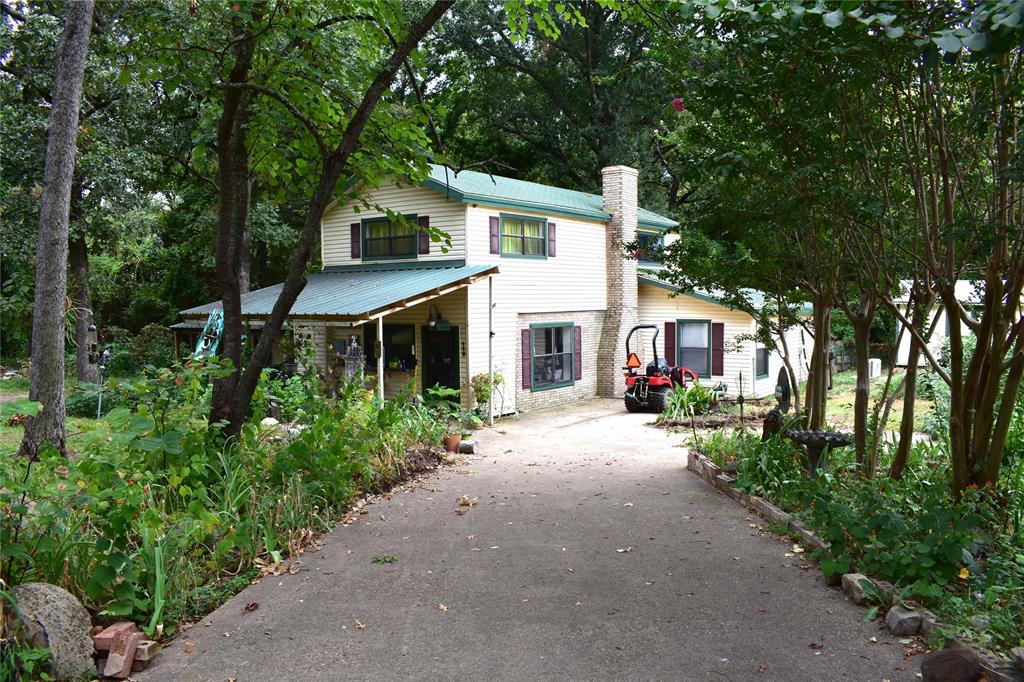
(632, 361)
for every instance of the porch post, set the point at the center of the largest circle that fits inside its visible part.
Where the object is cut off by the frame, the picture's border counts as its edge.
(380, 357)
(490, 346)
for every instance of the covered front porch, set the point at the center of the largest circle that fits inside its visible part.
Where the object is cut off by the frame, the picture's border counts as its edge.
(410, 324)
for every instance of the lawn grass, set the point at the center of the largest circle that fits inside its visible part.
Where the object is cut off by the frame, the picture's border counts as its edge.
(839, 412)
(10, 436)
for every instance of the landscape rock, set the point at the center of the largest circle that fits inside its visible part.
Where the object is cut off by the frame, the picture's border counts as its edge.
(952, 665)
(852, 586)
(980, 623)
(901, 621)
(53, 618)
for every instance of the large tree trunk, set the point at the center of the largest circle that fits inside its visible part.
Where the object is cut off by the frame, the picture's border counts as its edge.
(81, 300)
(899, 460)
(334, 162)
(232, 216)
(817, 374)
(861, 322)
(46, 376)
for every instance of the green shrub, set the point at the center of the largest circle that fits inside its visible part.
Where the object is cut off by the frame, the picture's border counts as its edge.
(962, 557)
(157, 504)
(153, 345)
(695, 399)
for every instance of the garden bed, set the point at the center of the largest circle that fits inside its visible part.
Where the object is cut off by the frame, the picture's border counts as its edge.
(836, 563)
(157, 519)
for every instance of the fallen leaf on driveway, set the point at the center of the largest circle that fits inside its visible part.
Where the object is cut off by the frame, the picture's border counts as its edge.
(623, 550)
(579, 604)
(464, 501)
(460, 511)
(442, 608)
(816, 645)
(360, 626)
(189, 645)
(628, 504)
(250, 607)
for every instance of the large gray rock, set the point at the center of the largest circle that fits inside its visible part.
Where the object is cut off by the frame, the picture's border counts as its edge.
(952, 665)
(901, 621)
(53, 618)
(853, 587)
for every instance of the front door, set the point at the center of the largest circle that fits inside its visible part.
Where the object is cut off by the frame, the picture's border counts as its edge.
(441, 358)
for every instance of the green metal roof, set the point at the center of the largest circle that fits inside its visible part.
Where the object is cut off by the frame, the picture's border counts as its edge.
(756, 298)
(357, 294)
(472, 187)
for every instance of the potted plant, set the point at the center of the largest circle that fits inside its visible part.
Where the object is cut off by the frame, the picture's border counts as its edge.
(442, 400)
(483, 389)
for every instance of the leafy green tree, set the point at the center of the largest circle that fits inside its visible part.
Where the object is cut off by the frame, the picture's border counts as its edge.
(46, 378)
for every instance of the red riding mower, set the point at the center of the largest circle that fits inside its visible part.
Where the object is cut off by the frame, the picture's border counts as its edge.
(650, 390)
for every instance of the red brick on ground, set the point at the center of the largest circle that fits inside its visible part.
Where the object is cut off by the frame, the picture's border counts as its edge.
(122, 654)
(104, 639)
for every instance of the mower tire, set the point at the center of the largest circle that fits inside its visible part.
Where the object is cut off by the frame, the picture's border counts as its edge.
(632, 404)
(659, 399)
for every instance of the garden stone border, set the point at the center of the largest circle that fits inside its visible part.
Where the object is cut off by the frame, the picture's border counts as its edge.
(701, 465)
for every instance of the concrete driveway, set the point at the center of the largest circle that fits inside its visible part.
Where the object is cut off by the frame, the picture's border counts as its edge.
(592, 554)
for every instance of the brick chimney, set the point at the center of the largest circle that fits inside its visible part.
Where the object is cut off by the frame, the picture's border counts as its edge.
(619, 194)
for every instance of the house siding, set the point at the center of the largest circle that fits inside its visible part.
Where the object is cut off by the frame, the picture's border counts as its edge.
(935, 341)
(657, 307)
(571, 282)
(449, 216)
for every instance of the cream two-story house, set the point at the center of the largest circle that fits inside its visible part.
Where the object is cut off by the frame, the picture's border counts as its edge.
(535, 286)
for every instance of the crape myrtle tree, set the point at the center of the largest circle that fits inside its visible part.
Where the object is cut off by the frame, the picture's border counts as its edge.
(46, 376)
(958, 112)
(946, 134)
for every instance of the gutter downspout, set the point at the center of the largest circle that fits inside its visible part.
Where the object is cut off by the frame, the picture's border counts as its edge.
(380, 357)
(491, 347)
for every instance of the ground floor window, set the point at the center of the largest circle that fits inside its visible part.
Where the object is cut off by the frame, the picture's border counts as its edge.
(695, 346)
(552, 357)
(761, 362)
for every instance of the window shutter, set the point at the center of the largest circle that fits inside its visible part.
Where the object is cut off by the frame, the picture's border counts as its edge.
(577, 353)
(670, 343)
(356, 234)
(424, 222)
(551, 240)
(495, 234)
(527, 357)
(717, 349)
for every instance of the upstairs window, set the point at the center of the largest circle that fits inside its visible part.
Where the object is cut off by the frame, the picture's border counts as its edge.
(521, 236)
(383, 238)
(650, 247)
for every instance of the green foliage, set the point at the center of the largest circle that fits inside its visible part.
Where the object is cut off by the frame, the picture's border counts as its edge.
(129, 354)
(147, 518)
(962, 557)
(772, 469)
(385, 559)
(483, 387)
(695, 399)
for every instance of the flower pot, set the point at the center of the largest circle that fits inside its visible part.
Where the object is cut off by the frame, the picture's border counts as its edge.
(451, 442)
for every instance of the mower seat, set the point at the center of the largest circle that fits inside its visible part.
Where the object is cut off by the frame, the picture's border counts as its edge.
(653, 370)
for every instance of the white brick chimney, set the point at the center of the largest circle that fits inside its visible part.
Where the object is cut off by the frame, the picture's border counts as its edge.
(619, 194)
